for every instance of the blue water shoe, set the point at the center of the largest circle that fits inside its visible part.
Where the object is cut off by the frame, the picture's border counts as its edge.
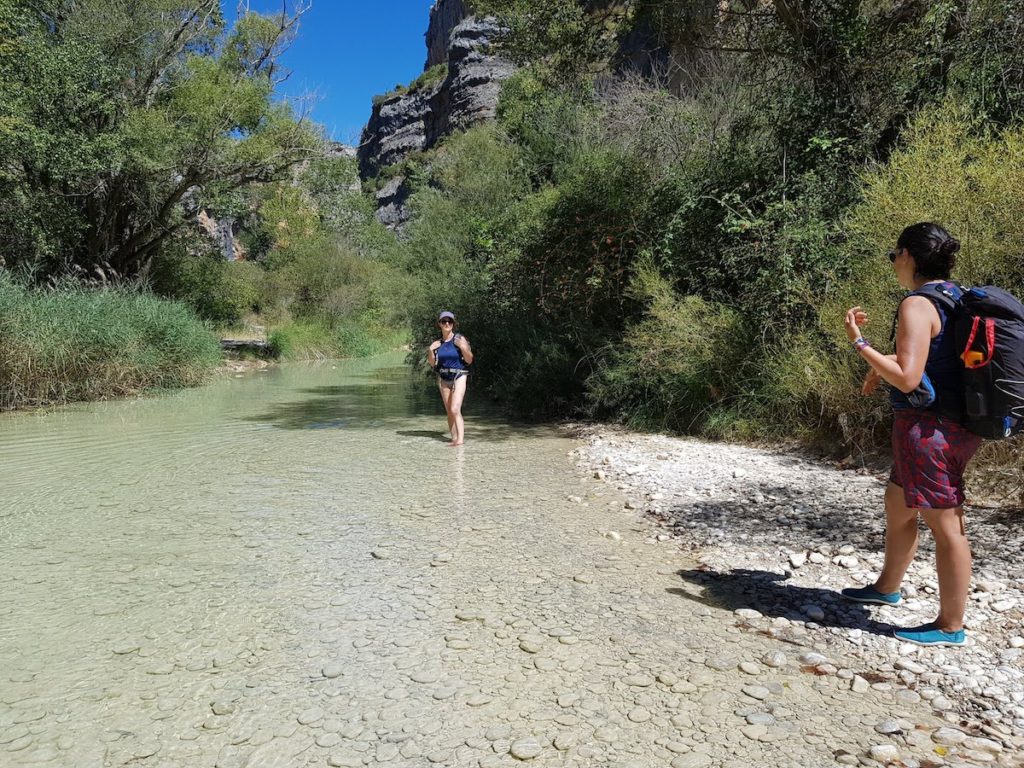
(870, 595)
(927, 634)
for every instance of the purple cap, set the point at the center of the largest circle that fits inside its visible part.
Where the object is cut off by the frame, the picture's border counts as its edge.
(446, 314)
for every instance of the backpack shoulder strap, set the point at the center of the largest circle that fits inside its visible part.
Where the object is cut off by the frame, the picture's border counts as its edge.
(945, 296)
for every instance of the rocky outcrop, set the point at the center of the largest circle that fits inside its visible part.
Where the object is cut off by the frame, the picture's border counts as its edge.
(444, 17)
(391, 208)
(224, 233)
(396, 129)
(469, 95)
(417, 120)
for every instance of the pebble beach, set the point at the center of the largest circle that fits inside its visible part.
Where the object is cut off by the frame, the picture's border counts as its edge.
(776, 535)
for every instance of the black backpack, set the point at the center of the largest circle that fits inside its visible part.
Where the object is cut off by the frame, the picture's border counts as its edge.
(988, 329)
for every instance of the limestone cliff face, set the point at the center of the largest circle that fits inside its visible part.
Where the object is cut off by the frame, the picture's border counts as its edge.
(444, 17)
(469, 95)
(417, 120)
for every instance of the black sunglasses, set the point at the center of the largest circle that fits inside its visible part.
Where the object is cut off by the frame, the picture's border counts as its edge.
(447, 321)
(893, 254)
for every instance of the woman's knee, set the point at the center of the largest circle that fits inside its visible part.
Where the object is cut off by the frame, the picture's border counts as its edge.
(946, 525)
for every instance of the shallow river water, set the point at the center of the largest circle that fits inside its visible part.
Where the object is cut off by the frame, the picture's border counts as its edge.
(293, 568)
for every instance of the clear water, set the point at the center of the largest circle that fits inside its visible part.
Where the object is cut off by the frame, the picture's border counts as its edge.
(157, 548)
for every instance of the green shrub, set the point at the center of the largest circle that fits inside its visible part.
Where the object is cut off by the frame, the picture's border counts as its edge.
(430, 79)
(220, 291)
(684, 360)
(74, 343)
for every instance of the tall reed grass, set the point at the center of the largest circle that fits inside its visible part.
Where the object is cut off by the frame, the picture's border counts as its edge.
(75, 343)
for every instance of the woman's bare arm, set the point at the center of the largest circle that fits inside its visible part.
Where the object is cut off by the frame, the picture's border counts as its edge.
(917, 319)
(467, 351)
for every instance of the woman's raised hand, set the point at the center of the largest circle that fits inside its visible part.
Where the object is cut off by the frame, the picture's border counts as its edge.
(855, 318)
(435, 346)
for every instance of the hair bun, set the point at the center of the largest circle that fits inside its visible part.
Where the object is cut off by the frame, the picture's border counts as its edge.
(950, 247)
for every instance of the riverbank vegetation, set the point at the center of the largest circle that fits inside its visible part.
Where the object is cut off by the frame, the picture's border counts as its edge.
(84, 344)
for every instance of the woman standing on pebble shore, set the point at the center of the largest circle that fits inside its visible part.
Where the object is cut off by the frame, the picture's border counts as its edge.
(930, 447)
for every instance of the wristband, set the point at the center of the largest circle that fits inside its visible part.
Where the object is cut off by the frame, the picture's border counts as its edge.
(860, 343)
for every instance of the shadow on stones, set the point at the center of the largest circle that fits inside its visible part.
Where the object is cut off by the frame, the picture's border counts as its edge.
(792, 517)
(766, 593)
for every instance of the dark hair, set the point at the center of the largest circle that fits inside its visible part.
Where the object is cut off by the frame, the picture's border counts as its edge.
(932, 248)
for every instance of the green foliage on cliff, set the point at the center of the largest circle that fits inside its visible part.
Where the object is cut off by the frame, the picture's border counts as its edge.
(427, 81)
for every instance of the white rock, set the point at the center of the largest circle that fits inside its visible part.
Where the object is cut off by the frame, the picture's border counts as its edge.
(798, 559)
(888, 726)
(910, 666)
(774, 659)
(526, 748)
(811, 657)
(884, 753)
(983, 745)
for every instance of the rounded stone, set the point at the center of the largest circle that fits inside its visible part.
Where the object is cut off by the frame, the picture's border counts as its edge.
(884, 753)
(525, 748)
(333, 670)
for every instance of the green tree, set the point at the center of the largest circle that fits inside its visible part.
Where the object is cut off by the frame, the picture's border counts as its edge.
(120, 120)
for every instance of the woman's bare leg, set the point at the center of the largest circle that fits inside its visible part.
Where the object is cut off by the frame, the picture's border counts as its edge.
(900, 540)
(953, 563)
(455, 411)
(446, 396)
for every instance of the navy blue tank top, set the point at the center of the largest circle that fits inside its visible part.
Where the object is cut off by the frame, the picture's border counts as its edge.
(449, 359)
(944, 369)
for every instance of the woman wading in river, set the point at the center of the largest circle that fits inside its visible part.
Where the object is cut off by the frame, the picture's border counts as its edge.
(930, 447)
(450, 356)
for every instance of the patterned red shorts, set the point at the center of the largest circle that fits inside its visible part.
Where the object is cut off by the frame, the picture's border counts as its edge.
(930, 454)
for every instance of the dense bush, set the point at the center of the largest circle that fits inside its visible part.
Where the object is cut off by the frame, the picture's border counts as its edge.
(220, 291)
(952, 170)
(678, 250)
(673, 367)
(87, 344)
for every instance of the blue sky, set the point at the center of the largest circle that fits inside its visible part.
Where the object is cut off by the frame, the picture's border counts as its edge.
(349, 50)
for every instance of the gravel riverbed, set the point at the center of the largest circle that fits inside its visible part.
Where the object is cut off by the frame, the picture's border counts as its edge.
(776, 535)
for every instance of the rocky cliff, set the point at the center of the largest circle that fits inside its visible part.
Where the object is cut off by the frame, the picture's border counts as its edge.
(417, 119)
(445, 16)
